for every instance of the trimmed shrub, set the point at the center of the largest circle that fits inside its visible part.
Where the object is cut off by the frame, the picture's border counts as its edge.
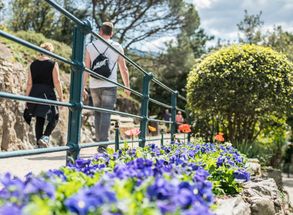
(241, 90)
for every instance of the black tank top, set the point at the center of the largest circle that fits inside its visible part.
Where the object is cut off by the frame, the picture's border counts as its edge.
(42, 72)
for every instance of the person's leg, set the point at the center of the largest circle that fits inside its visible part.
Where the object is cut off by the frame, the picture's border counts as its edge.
(96, 96)
(39, 127)
(108, 101)
(51, 126)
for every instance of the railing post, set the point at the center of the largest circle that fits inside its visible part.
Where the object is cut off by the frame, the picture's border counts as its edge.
(74, 122)
(162, 137)
(173, 114)
(188, 121)
(117, 132)
(144, 109)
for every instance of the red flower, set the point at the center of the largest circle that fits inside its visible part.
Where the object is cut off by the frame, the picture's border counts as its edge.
(132, 132)
(219, 137)
(184, 128)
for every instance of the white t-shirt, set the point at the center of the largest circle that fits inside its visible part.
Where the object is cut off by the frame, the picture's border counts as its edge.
(111, 55)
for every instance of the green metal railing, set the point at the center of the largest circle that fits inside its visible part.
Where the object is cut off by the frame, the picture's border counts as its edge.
(75, 104)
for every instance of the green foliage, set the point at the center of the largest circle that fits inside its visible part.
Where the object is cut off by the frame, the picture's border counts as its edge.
(249, 26)
(25, 55)
(241, 90)
(281, 41)
(1, 5)
(33, 15)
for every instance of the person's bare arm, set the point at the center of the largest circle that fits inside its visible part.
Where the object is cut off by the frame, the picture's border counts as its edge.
(124, 73)
(87, 62)
(29, 83)
(56, 81)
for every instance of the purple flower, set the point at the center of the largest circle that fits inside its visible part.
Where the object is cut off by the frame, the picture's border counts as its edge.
(10, 209)
(185, 198)
(241, 175)
(89, 199)
(12, 187)
(160, 190)
(51, 174)
(198, 209)
(34, 185)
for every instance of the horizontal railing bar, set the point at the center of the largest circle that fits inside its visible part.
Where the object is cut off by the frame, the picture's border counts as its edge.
(182, 97)
(35, 47)
(86, 107)
(183, 111)
(148, 140)
(155, 80)
(160, 103)
(65, 12)
(34, 100)
(113, 82)
(94, 144)
(158, 120)
(33, 152)
(106, 143)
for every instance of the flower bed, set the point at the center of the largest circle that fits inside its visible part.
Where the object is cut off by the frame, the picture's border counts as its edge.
(174, 179)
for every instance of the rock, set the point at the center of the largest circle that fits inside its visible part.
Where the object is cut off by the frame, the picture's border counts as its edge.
(262, 206)
(261, 187)
(276, 174)
(264, 197)
(233, 206)
(253, 167)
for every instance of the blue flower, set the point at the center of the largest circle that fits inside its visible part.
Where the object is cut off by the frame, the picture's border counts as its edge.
(34, 185)
(89, 199)
(10, 209)
(241, 175)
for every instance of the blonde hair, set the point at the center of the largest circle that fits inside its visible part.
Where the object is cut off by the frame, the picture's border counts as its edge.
(47, 46)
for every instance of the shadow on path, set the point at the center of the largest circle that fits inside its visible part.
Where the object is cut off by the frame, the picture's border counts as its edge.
(60, 157)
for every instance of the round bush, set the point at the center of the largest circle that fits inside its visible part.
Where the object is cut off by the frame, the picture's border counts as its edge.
(240, 90)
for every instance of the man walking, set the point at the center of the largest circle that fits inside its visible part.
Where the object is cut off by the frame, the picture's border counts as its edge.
(103, 92)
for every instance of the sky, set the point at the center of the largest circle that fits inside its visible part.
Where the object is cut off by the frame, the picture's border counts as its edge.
(220, 17)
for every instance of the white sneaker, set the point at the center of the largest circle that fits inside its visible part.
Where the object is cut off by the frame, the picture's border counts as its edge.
(44, 141)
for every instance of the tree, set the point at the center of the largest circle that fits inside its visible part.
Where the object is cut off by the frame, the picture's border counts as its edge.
(138, 20)
(174, 64)
(240, 90)
(1, 5)
(281, 41)
(249, 26)
(64, 29)
(33, 15)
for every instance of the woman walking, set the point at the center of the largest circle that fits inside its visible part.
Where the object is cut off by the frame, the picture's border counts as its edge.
(43, 78)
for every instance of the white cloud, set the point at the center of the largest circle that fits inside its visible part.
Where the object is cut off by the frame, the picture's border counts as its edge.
(203, 3)
(220, 17)
(157, 45)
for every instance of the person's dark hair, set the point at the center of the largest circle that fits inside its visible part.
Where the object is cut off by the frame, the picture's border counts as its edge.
(107, 28)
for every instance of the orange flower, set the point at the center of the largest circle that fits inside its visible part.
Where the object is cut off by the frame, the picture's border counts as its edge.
(185, 128)
(152, 129)
(132, 132)
(219, 137)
